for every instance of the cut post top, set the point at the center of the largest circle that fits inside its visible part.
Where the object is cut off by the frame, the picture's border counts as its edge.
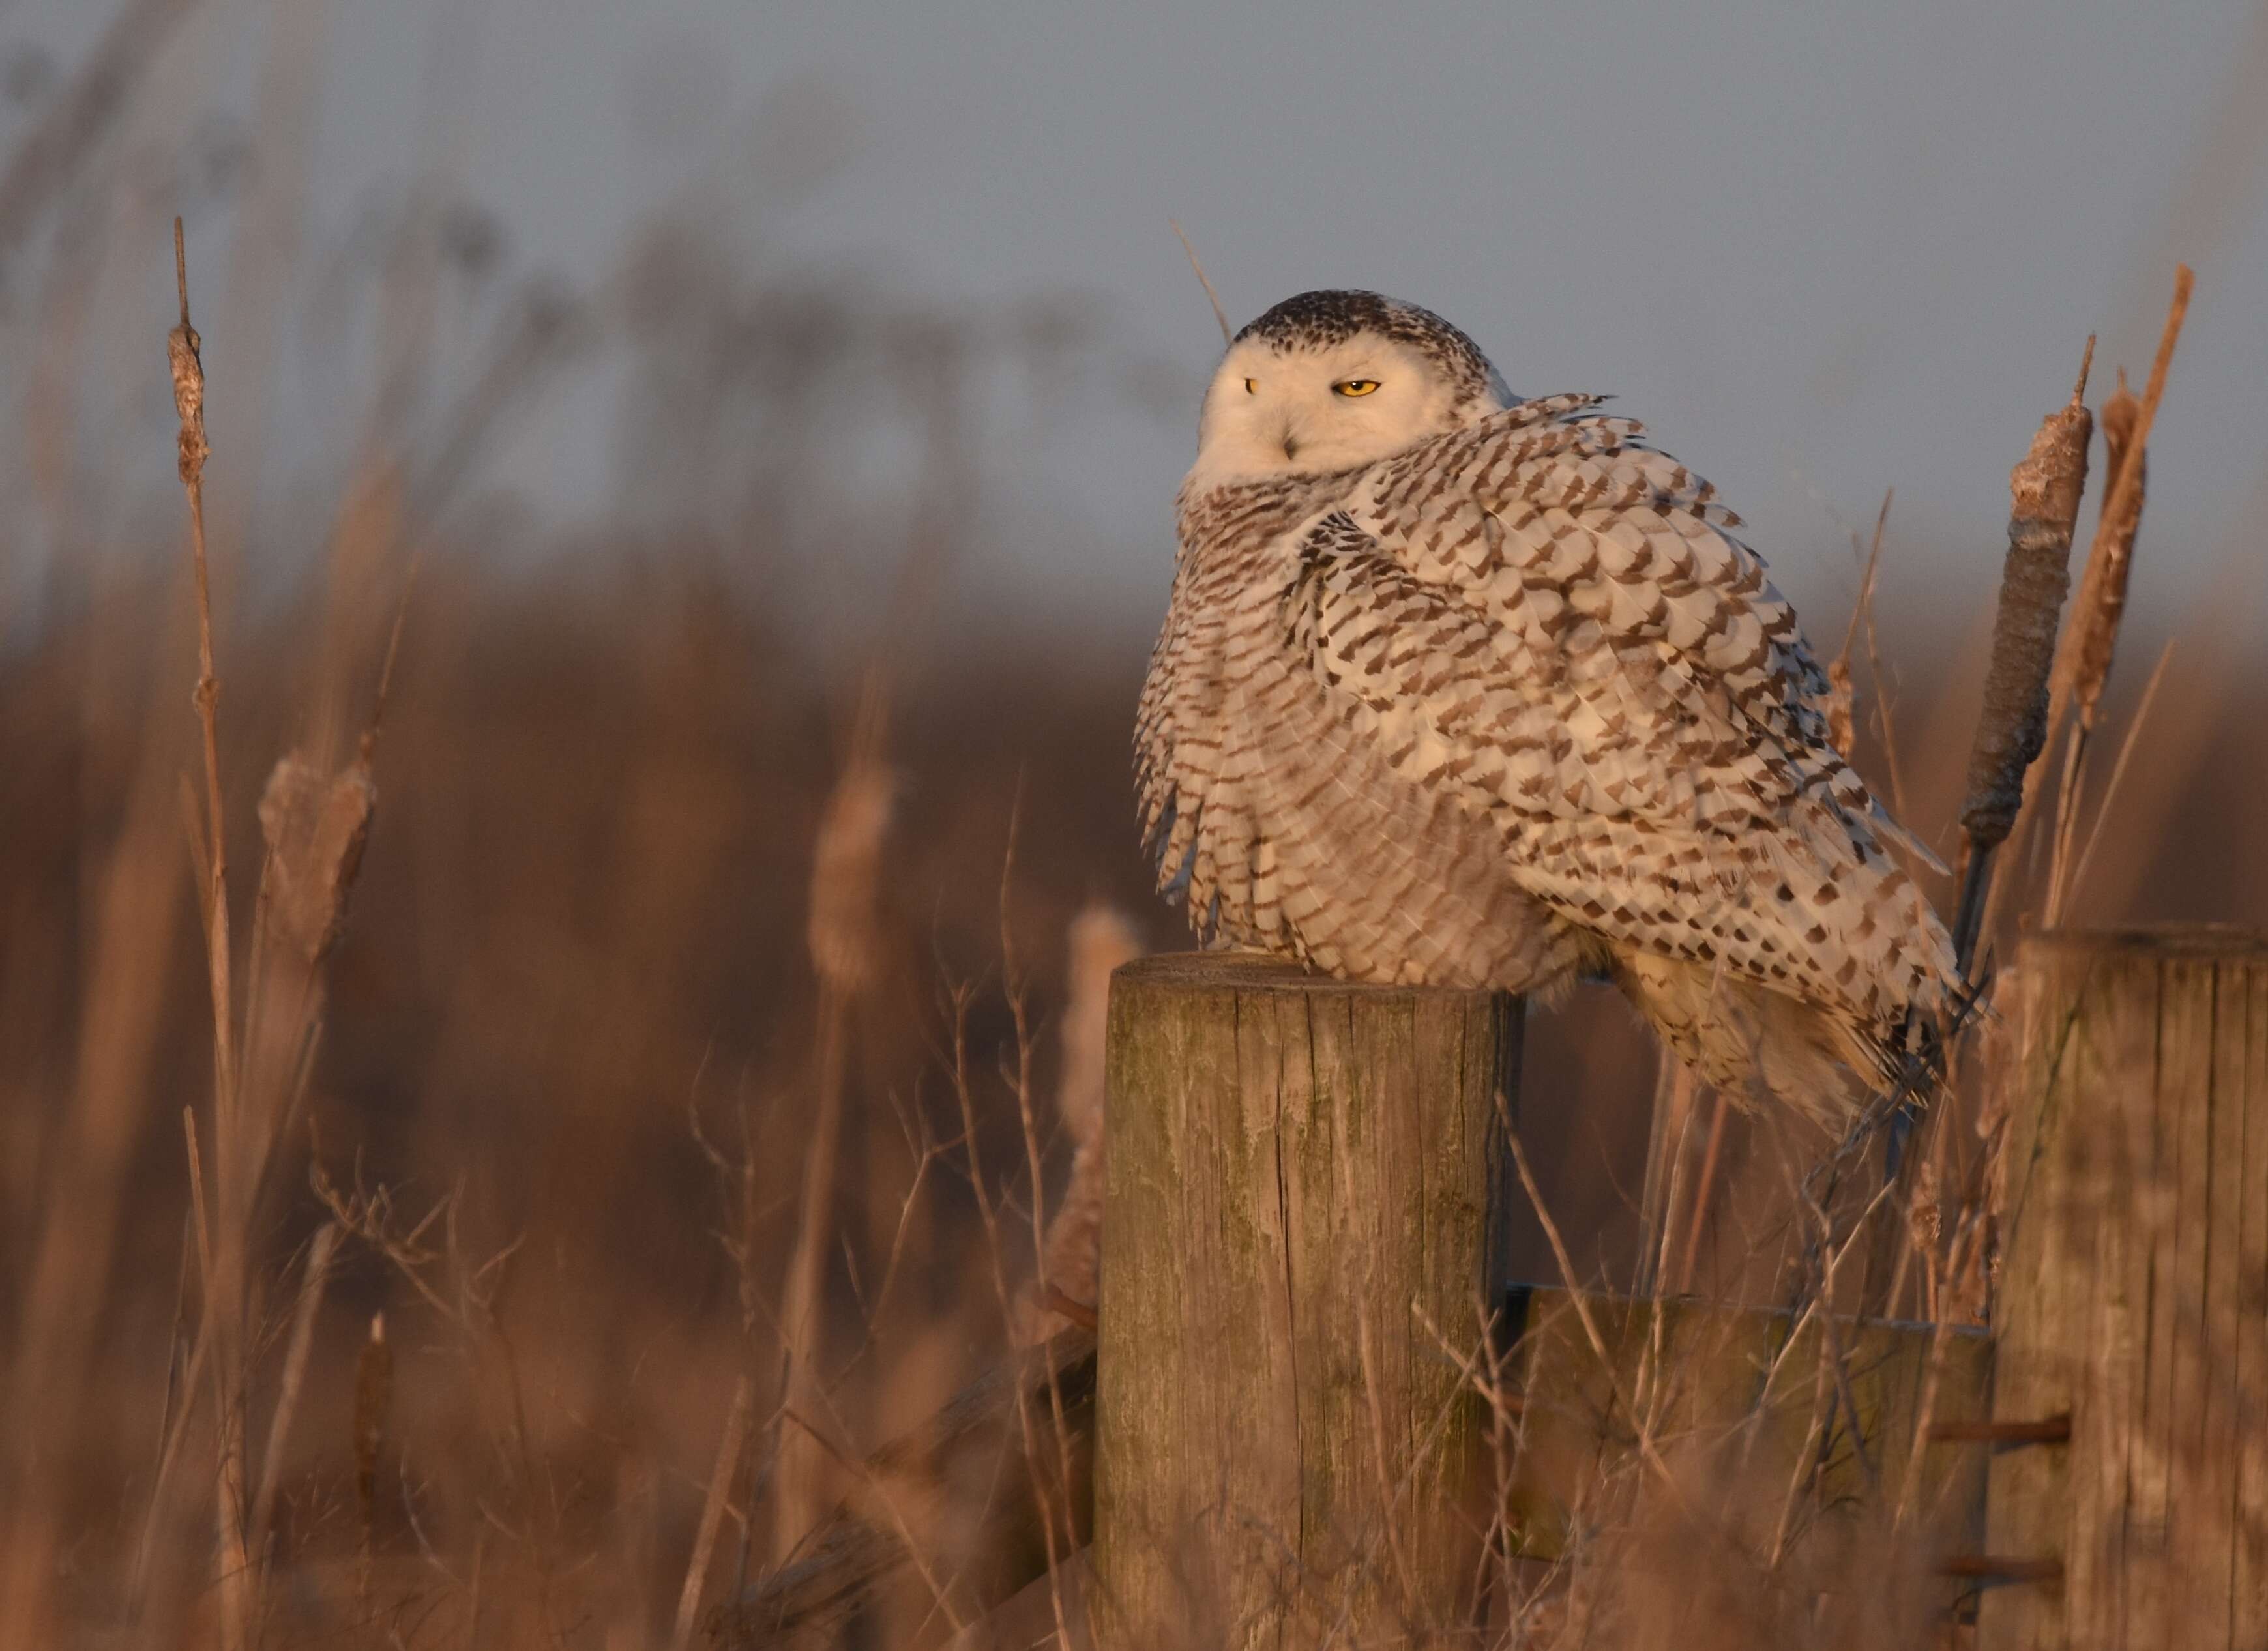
(1262, 971)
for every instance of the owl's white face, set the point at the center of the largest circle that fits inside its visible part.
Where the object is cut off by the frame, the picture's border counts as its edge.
(1312, 409)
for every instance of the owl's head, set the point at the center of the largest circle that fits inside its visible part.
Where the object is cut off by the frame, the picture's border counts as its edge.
(1336, 380)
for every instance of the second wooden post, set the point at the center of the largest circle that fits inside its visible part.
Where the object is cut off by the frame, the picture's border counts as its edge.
(1305, 1189)
(2133, 1294)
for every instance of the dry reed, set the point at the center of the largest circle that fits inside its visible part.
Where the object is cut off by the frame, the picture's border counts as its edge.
(2091, 638)
(226, 1264)
(846, 954)
(1228, 333)
(2103, 587)
(2083, 662)
(584, 906)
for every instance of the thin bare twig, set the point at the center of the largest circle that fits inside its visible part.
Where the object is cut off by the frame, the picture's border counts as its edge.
(1228, 333)
(1703, 1193)
(312, 1279)
(712, 1513)
(2118, 773)
(1646, 1447)
(1840, 728)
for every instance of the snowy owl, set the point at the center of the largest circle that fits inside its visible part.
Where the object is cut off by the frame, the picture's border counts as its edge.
(1462, 690)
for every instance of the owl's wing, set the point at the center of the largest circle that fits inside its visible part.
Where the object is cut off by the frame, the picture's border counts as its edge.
(1550, 620)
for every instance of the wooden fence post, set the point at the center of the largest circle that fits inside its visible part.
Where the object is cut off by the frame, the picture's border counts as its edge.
(1306, 1184)
(2133, 1294)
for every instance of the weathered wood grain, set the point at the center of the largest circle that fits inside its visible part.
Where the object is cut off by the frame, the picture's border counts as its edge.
(2133, 1289)
(1303, 1176)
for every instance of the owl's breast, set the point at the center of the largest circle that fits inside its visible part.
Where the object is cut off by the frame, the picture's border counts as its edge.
(1279, 820)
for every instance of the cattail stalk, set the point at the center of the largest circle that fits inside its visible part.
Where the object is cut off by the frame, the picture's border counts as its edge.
(2044, 492)
(315, 826)
(845, 941)
(225, 1293)
(845, 953)
(184, 356)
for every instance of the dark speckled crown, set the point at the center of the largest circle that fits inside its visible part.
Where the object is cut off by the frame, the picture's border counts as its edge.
(1314, 320)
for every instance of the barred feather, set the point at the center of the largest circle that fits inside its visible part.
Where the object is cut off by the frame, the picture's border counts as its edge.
(1508, 703)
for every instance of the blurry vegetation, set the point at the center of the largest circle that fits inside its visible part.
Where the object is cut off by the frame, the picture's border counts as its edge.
(536, 1124)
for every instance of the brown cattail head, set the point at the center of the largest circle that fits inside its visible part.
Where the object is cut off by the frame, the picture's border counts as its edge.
(2103, 587)
(181, 350)
(315, 829)
(1100, 940)
(2044, 491)
(183, 353)
(845, 926)
(2120, 414)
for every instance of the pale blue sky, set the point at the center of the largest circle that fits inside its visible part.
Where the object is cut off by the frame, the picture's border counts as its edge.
(1820, 249)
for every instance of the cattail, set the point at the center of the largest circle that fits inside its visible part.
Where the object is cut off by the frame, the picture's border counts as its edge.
(845, 936)
(184, 353)
(1100, 939)
(2102, 586)
(2044, 491)
(314, 829)
(226, 1304)
(2084, 664)
(845, 931)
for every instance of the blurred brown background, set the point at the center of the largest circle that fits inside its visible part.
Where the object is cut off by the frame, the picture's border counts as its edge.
(668, 467)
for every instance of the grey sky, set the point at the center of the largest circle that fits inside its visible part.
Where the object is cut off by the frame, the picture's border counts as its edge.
(1820, 249)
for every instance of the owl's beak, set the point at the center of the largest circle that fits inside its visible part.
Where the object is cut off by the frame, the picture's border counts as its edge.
(1291, 441)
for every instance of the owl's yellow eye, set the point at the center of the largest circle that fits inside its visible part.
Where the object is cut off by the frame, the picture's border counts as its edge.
(1252, 386)
(1355, 387)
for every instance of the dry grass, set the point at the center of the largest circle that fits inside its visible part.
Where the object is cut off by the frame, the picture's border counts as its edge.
(687, 1080)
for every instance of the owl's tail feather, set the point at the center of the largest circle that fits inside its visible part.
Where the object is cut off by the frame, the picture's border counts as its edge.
(1754, 1044)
